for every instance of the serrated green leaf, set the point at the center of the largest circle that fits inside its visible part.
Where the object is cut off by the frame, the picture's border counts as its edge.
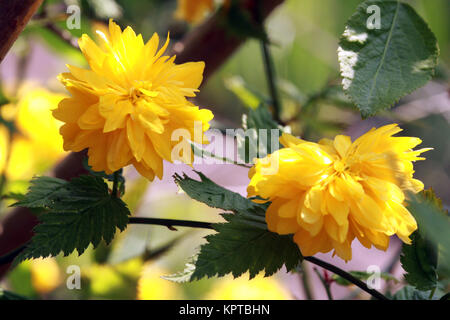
(79, 213)
(379, 66)
(13, 196)
(104, 175)
(184, 275)
(242, 245)
(260, 136)
(243, 242)
(433, 223)
(419, 260)
(215, 196)
(42, 192)
(362, 275)
(410, 293)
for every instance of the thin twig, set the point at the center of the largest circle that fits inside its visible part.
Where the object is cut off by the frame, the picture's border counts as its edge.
(170, 223)
(325, 284)
(65, 35)
(270, 69)
(346, 276)
(9, 257)
(430, 297)
(200, 152)
(305, 281)
(445, 297)
(115, 184)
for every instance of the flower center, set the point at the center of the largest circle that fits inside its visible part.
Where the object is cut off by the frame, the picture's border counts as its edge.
(340, 166)
(141, 90)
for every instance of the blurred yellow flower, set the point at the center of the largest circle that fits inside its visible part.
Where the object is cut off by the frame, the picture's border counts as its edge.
(45, 275)
(330, 192)
(152, 287)
(193, 11)
(113, 281)
(259, 288)
(38, 145)
(126, 107)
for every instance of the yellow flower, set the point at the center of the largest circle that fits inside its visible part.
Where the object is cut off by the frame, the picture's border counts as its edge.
(125, 108)
(38, 144)
(45, 275)
(152, 287)
(193, 11)
(330, 192)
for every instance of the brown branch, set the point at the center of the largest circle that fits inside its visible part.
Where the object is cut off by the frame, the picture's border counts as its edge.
(209, 42)
(14, 15)
(212, 43)
(63, 34)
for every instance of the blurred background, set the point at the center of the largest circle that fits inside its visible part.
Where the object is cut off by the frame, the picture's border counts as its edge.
(305, 35)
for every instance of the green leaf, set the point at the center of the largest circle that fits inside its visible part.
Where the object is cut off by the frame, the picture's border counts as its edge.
(7, 295)
(79, 213)
(243, 242)
(215, 196)
(260, 136)
(410, 293)
(3, 99)
(247, 96)
(184, 275)
(10, 125)
(419, 260)
(42, 192)
(104, 175)
(362, 275)
(260, 118)
(434, 224)
(379, 66)
(13, 196)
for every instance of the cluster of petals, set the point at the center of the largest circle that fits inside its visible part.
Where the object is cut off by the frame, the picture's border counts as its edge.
(126, 106)
(331, 192)
(193, 11)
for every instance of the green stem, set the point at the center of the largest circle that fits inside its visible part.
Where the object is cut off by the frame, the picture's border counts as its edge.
(202, 152)
(432, 293)
(347, 276)
(270, 71)
(445, 297)
(305, 282)
(115, 184)
(170, 223)
(325, 284)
